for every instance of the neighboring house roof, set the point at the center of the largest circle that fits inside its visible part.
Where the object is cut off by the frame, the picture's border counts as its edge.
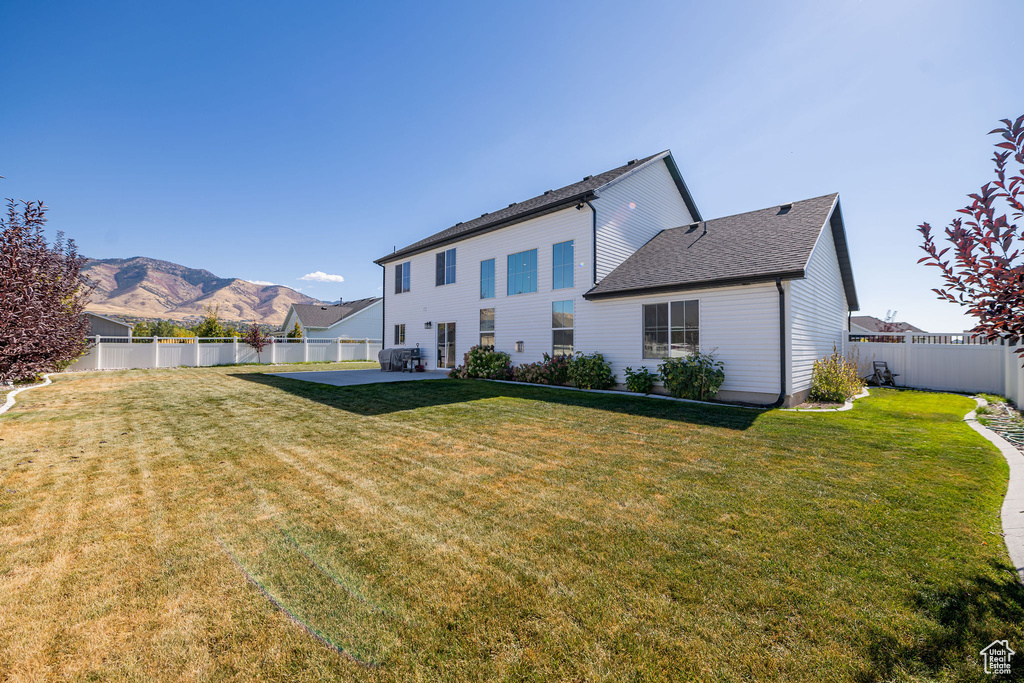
(109, 319)
(873, 324)
(757, 246)
(552, 200)
(314, 316)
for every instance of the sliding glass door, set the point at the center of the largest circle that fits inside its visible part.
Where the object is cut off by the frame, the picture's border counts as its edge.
(446, 345)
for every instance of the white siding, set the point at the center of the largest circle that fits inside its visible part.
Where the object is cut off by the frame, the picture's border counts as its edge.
(818, 311)
(739, 325)
(522, 317)
(634, 210)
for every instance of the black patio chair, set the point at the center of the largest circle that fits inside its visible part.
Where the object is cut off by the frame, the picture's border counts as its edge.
(883, 376)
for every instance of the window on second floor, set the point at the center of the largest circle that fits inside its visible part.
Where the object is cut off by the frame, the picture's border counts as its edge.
(487, 279)
(402, 277)
(562, 265)
(522, 272)
(445, 271)
(671, 329)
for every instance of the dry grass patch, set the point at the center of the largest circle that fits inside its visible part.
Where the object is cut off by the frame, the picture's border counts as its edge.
(221, 523)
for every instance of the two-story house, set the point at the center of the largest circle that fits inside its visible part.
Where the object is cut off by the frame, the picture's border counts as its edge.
(622, 263)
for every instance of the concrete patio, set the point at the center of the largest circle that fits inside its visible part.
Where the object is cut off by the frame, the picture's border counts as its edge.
(351, 378)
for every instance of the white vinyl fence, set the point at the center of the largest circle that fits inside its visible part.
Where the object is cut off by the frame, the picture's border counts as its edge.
(945, 362)
(123, 353)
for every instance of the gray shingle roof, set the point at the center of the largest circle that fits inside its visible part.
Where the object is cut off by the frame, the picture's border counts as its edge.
(320, 315)
(748, 247)
(541, 204)
(870, 322)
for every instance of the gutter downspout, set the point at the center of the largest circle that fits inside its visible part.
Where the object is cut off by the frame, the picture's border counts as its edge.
(593, 258)
(383, 303)
(782, 344)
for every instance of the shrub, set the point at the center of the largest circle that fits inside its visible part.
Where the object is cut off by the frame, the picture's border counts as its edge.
(548, 371)
(835, 378)
(641, 381)
(485, 362)
(590, 371)
(695, 377)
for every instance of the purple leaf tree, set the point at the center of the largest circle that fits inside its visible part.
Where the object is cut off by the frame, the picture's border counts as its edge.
(984, 271)
(255, 338)
(42, 296)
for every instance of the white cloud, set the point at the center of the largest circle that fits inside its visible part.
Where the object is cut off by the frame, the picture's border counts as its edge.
(320, 276)
(263, 282)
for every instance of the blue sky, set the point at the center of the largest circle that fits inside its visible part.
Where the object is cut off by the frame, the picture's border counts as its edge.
(270, 140)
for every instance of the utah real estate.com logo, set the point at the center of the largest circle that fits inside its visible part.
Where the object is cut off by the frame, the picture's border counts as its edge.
(997, 657)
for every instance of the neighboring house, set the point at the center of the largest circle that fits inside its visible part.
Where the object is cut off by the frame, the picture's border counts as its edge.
(622, 263)
(361, 319)
(869, 324)
(105, 326)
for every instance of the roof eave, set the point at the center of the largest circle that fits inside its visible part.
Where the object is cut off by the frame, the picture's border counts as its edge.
(488, 227)
(838, 226)
(690, 286)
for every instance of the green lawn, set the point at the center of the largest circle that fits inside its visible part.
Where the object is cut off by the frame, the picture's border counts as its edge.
(219, 523)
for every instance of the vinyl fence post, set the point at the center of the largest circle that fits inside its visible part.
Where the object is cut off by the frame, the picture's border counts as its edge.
(907, 354)
(197, 351)
(273, 351)
(234, 341)
(337, 350)
(305, 349)
(366, 349)
(99, 352)
(156, 352)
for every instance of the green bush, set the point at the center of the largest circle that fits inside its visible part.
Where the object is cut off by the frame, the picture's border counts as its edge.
(641, 381)
(590, 371)
(483, 362)
(835, 378)
(695, 377)
(548, 371)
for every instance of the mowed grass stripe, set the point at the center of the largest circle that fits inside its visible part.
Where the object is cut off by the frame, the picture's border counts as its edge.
(516, 532)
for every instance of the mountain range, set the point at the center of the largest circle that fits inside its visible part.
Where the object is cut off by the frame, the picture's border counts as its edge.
(149, 288)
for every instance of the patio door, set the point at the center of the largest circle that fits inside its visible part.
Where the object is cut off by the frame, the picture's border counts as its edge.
(446, 345)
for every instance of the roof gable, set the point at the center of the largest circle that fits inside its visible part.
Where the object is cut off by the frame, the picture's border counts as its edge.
(109, 319)
(750, 247)
(552, 200)
(321, 315)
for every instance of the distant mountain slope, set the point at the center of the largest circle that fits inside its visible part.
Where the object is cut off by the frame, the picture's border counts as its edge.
(150, 288)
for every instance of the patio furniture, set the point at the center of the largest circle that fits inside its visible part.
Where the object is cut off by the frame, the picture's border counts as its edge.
(882, 375)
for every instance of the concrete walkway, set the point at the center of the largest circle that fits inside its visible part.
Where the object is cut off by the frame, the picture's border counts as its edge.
(1013, 504)
(351, 378)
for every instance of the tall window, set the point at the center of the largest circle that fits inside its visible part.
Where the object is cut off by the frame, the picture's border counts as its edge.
(487, 279)
(561, 328)
(400, 335)
(402, 277)
(487, 327)
(671, 329)
(445, 272)
(562, 270)
(522, 272)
